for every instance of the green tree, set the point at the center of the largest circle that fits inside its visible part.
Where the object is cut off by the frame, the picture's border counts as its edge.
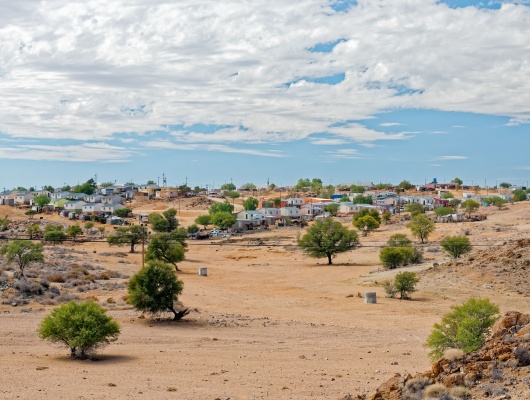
(4, 223)
(327, 238)
(470, 206)
(223, 220)
(82, 327)
(225, 206)
(414, 209)
(41, 200)
(22, 253)
(399, 240)
(505, 185)
(165, 222)
(497, 201)
(381, 186)
(332, 208)
(106, 184)
(421, 227)
(193, 228)
(167, 247)
(457, 181)
(233, 194)
(123, 212)
(251, 203)
(456, 246)
(155, 289)
(356, 189)
(89, 225)
(360, 199)
(127, 236)
(443, 211)
(149, 182)
(54, 236)
(302, 184)
(519, 195)
(366, 224)
(33, 230)
(454, 203)
(74, 231)
(405, 283)
(406, 185)
(344, 199)
(204, 220)
(448, 196)
(393, 257)
(31, 213)
(249, 185)
(367, 211)
(49, 188)
(89, 187)
(53, 227)
(228, 186)
(463, 328)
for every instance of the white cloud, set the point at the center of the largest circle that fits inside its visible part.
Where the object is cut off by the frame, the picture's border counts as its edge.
(168, 145)
(391, 124)
(327, 141)
(101, 152)
(88, 70)
(452, 158)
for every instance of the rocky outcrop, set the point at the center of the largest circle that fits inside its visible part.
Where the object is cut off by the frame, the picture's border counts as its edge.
(500, 370)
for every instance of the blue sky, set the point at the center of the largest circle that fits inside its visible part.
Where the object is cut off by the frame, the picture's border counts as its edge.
(213, 91)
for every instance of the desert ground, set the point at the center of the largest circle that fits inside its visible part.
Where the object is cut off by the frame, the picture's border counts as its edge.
(267, 322)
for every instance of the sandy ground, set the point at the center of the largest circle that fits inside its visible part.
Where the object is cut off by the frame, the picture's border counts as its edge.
(267, 322)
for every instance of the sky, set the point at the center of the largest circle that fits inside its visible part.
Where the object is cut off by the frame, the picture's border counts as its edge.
(208, 92)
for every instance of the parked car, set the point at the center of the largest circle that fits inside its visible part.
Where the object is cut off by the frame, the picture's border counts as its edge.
(215, 232)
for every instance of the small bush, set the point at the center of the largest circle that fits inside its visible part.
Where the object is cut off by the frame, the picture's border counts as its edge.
(496, 374)
(414, 388)
(58, 278)
(459, 392)
(435, 391)
(389, 288)
(111, 300)
(27, 288)
(522, 355)
(80, 326)
(453, 354)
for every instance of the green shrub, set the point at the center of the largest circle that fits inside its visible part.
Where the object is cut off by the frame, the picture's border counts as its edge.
(456, 246)
(405, 283)
(463, 328)
(393, 257)
(155, 288)
(82, 327)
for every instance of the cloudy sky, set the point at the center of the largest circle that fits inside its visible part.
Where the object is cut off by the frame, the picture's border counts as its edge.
(213, 91)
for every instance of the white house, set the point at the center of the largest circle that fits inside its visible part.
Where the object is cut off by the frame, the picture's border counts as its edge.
(112, 200)
(294, 202)
(275, 212)
(92, 198)
(350, 208)
(60, 195)
(313, 209)
(74, 206)
(92, 207)
(111, 208)
(291, 212)
(24, 198)
(250, 215)
(77, 196)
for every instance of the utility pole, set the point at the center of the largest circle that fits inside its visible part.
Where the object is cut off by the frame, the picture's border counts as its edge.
(143, 243)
